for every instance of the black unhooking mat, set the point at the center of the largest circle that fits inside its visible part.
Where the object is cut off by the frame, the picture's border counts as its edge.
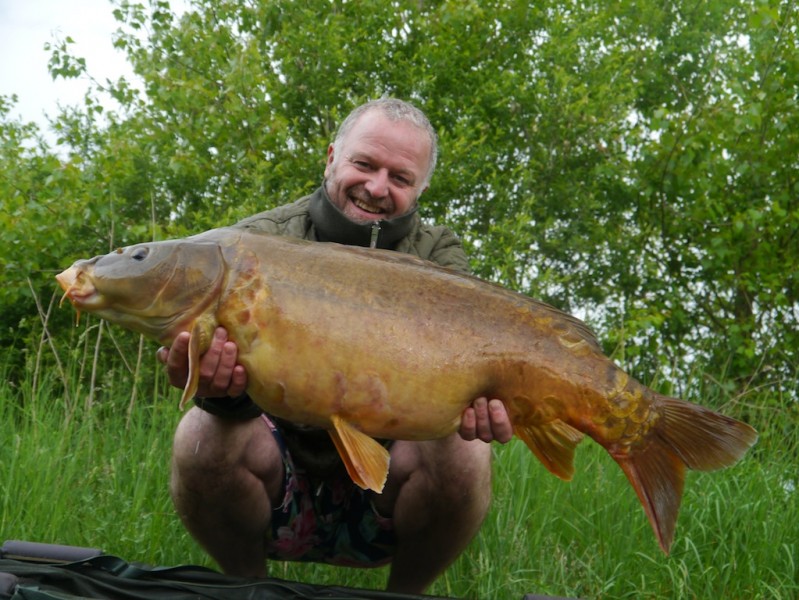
(32, 571)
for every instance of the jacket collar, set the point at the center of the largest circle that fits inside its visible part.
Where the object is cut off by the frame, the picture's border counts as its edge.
(332, 225)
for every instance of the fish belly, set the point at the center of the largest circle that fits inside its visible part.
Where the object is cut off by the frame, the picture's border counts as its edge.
(309, 383)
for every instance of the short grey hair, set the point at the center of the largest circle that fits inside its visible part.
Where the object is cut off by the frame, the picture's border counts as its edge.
(395, 110)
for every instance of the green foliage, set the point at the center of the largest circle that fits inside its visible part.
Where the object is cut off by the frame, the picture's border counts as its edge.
(633, 162)
(718, 176)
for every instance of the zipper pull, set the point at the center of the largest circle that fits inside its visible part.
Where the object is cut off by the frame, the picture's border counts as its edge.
(375, 234)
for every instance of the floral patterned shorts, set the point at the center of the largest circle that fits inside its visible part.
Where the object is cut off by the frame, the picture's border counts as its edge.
(331, 522)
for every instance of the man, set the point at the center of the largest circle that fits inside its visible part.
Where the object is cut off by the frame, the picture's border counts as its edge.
(250, 487)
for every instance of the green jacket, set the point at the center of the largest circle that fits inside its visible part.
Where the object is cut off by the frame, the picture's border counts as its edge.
(315, 218)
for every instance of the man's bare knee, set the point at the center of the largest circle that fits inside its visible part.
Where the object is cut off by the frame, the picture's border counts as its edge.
(204, 438)
(465, 486)
(209, 451)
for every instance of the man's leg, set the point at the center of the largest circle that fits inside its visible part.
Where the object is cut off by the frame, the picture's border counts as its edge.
(438, 493)
(226, 476)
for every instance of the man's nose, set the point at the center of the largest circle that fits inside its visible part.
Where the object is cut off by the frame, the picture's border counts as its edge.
(377, 185)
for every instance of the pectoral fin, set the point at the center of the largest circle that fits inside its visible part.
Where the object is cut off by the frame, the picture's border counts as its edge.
(365, 459)
(199, 341)
(193, 379)
(553, 444)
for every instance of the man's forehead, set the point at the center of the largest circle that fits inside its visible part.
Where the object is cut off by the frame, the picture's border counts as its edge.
(376, 133)
(375, 123)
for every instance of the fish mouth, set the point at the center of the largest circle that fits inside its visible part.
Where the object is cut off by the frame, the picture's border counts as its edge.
(77, 287)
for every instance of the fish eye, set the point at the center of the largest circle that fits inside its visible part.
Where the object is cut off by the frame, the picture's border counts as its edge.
(140, 254)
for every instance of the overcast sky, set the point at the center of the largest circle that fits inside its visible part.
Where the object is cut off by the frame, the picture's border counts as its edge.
(27, 25)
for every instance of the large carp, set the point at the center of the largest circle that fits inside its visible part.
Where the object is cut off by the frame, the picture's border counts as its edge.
(368, 343)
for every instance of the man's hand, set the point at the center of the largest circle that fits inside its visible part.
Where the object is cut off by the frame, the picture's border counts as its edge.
(220, 374)
(486, 420)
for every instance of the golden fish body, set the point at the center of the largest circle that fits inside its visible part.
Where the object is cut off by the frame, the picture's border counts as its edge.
(368, 343)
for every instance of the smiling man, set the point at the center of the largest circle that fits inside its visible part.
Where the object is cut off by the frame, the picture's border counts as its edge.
(250, 487)
(378, 167)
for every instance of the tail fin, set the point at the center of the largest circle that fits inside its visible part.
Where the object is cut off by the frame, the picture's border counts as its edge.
(690, 436)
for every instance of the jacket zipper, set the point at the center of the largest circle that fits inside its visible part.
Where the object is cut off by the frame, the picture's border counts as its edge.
(375, 234)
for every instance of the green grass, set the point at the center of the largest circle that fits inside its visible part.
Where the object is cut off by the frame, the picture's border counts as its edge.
(96, 475)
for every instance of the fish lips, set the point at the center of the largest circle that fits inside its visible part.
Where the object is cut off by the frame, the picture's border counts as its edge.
(78, 287)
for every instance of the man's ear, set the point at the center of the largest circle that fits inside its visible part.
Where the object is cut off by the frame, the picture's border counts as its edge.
(330, 157)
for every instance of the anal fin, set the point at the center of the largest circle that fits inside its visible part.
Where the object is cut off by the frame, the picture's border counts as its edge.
(366, 460)
(553, 444)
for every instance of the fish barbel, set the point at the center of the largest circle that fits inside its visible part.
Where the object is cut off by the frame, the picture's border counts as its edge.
(368, 343)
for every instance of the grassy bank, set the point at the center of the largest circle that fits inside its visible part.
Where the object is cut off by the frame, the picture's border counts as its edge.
(94, 474)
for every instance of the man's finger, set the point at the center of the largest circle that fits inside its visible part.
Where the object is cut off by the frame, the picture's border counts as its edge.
(468, 425)
(501, 427)
(238, 381)
(483, 421)
(209, 363)
(177, 360)
(162, 354)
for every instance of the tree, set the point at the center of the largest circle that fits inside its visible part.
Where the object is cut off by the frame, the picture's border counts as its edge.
(633, 162)
(717, 177)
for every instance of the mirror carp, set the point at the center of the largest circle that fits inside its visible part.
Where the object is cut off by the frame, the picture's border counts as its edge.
(367, 344)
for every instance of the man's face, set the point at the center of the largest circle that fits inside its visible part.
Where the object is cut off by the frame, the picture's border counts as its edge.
(379, 168)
